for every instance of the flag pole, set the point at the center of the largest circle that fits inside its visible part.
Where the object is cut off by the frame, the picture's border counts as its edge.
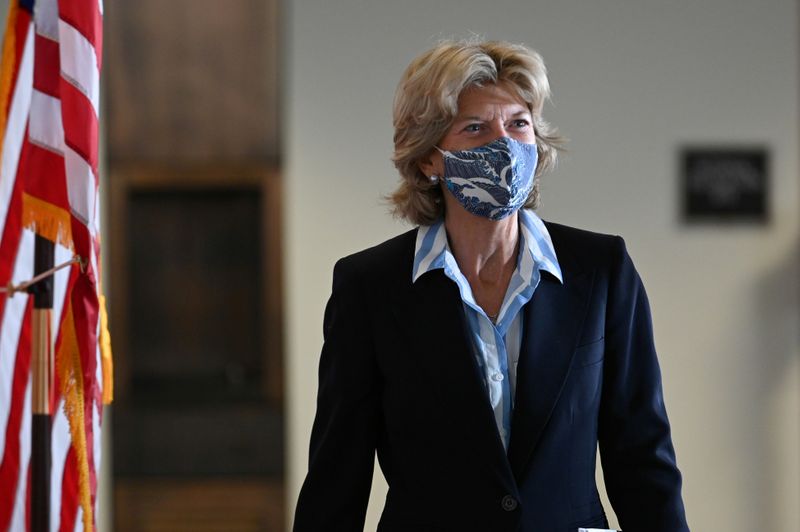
(42, 377)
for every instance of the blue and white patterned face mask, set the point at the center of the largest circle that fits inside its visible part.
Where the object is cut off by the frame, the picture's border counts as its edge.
(493, 180)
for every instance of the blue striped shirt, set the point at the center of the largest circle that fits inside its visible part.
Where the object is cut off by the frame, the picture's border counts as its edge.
(495, 345)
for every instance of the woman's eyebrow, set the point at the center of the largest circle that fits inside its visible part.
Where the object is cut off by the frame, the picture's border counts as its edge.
(523, 112)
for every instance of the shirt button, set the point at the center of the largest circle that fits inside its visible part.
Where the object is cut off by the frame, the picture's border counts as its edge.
(497, 377)
(509, 503)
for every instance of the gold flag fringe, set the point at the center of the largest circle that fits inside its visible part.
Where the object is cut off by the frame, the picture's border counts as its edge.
(47, 220)
(105, 351)
(68, 363)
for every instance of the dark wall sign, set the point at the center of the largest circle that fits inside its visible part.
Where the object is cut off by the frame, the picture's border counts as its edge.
(725, 184)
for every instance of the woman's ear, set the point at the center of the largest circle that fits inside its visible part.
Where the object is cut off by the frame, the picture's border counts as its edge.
(431, 164)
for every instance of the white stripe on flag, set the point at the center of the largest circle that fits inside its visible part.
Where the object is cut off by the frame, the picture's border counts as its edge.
(93, 257)
(10, 329)
(15, 127)
(45, 127)
(46, 17)
(79, 520)
(80, 186)
(79, 63)
(60, 448)
(18, 517)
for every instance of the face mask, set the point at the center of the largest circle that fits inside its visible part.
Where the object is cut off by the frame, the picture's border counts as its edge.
(493, 180)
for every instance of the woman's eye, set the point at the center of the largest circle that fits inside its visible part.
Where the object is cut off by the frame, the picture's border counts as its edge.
(521, 123)
(473, 128)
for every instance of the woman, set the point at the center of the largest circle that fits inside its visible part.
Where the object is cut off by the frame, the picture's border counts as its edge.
(485, 354)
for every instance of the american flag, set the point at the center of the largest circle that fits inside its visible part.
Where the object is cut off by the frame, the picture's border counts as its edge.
(49, 93)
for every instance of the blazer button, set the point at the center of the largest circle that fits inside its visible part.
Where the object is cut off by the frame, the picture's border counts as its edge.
(509, 503)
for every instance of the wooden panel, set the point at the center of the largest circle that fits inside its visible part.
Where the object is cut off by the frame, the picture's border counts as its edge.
(198, 377)
(191, 440)
(192, 81)
(194, 293)
(162, 179)
(230, 505)
(191, 104)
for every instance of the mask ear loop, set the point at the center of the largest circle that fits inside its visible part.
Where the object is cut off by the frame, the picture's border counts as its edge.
(445, 153)
(433, 178)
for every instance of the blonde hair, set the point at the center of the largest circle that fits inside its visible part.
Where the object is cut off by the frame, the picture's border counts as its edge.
(426, 103)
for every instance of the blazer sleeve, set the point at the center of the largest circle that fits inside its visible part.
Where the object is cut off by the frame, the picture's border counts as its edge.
(639, 466)
(336, 490)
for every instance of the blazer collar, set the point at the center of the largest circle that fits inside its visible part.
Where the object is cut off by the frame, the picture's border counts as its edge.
(431, 249)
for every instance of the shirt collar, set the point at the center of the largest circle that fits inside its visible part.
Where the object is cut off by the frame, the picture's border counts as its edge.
(431, 248)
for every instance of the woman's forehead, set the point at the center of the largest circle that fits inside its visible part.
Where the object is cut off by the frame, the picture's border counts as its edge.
(478, 100)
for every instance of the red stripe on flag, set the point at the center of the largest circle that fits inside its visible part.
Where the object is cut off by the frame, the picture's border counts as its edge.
(87, 19)
(21, 28)
(46, 178)
(84, 312)
(82, 241)
(69, 493)
(10, 467)
(46, 66)
(80, 123)
(23, 25)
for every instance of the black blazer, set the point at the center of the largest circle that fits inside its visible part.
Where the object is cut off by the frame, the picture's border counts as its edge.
(397, 375)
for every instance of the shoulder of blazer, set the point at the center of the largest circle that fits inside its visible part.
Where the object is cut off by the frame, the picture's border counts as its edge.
(389, 260)
(579, 250)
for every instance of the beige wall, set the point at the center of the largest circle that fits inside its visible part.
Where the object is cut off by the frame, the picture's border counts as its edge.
(633, 81)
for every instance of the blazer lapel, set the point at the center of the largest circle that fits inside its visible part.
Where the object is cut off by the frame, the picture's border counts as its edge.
(553, 322)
